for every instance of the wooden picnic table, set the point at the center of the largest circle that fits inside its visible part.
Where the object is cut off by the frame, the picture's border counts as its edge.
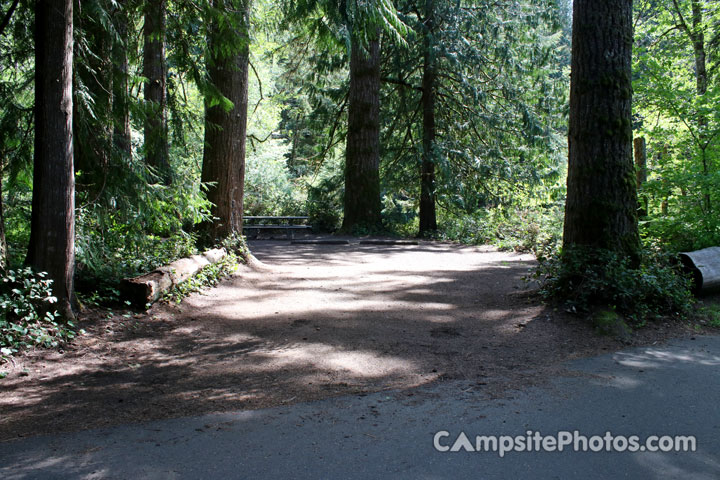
(278, 223)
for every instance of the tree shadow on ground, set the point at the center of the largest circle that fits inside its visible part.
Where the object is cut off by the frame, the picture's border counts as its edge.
(326, 321)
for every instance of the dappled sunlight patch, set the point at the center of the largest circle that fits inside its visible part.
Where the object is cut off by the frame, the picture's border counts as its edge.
(497, 313)
(663, 465)
(656, 358)
(357, 363)
(32, 464)
(239, 338)
(624, 382)
(266, 338)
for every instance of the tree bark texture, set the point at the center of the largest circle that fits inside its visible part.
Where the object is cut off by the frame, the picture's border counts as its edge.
(428, 220)
(155, 70)
(223, 167)
(52, 234)
(148, 288)
(698, 40)
(121, 106)
(362, 155)
(601, 207)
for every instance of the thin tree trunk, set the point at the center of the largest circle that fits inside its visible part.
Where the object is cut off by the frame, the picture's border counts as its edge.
(3, 242)
(8, 16)
(428, 220)
(52, 227)
(121, 107)
(640, 151)
(601, 207)
(698, 39)
(154, 69)
(224, 156)
(362, 155)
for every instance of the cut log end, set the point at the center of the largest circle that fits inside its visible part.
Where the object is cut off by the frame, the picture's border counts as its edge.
(148, 288)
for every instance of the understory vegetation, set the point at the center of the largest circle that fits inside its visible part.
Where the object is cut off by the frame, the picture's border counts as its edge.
(27, 317)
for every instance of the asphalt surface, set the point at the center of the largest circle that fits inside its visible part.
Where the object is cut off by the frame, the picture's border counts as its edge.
(665, 390)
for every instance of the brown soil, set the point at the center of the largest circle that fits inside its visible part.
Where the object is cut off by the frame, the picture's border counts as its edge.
(312, 321)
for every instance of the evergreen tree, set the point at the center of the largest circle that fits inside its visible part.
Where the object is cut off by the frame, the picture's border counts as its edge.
(155, 71)
(362, 151)
(601, 207)
(52, 237)
(223, 169)
(474, 105)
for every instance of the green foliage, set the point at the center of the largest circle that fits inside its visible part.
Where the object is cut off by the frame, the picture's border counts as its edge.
(499, 119)
(325, 203)
(335, 23)
(26, 315)
(537, 230)
(208, 277)
(271, 188)
(675, 109)
(137, 230)
(710, 315)
(400, 214)
(588, 278)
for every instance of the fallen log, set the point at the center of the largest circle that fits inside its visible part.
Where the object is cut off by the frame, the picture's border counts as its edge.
(148, 288)
(704, 266)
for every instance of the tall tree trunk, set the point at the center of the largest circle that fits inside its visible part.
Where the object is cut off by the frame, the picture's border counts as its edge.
(93, 126)
(154, 69)
(362, 154)
(698, 39)
(225, 131)
(52, 227)
(428, 220)
(601, 208)
(121, 105)
(3, 242)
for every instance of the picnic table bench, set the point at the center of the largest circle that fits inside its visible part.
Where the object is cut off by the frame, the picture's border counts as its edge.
(274, 223)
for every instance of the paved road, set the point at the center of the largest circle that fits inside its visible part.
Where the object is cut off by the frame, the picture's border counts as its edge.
(668, 390)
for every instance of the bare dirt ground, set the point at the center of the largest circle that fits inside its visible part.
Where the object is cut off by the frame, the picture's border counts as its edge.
(313, 321)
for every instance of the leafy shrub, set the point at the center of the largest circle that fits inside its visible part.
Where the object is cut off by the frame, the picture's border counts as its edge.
(586, 277)
(324, 204)
(269, 186)
(399, 215)
(687, 229)
(136, 230)
(26, 316)
(109, 248)
(208, 277)
(710, 315)
(538, 231)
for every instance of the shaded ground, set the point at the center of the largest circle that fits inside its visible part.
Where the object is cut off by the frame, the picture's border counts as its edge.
(316, 321)
(652, 390)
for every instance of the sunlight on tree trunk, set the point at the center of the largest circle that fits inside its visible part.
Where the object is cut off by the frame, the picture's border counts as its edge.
(223, 168)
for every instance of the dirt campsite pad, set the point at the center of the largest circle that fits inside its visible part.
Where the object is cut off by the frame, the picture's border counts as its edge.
(308, 322)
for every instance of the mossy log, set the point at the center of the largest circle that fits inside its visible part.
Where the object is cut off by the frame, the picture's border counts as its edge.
(148, 288)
